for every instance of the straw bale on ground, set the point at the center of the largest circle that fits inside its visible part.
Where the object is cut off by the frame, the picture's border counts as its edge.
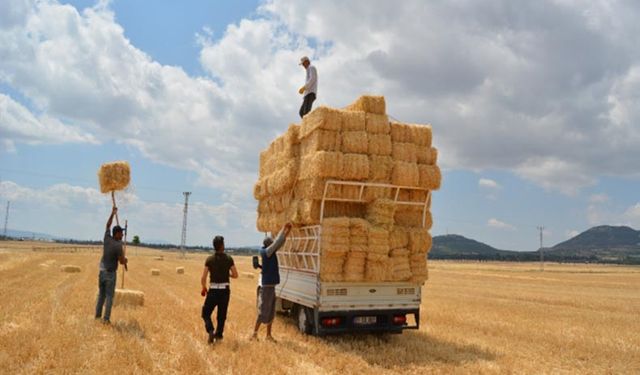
(399, 237)
(377, 124)
(426, 155)
(380, 212)
(353, 120)
(429, 176)
(380, 168)
(355, 141)
(249, 275)
(180, 270)
(128, 297)
(404, 151)
(405, 174)
(70, 268)
(321, 118)
(380, 144)
(155, 272)
(114, 176)
(321, 164)
(369, 103)
(320, 140)
(419, 240)
(355, 167)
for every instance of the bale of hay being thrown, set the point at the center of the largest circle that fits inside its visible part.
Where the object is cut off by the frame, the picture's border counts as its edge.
(70, 268)
(180, 270)
(114, 176)
(155, 272)
(369, 103)
(128, 297)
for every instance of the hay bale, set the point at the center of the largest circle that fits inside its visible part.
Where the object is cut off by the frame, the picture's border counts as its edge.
(350, 192)
(355, 266)
(378, 270)
(419, 240)
(114, 176)
(309, 211)
(426, 155)
(335, 233)
(398, 237)
(70, 268)
(355, 167)
(411, 216)
(353, 120)
(321, 118)
(400, 267)
(284, 178)
(331, 268)
(380, 168)
(429, 176)
(372, 193)
(248, 275)
(380, 144)
(155, 272)
(380, 212)
(161, 257)
(355, 141)
(358, 227)
(405, 174)
(419, 268)
(321, 164)
(180, 270)
(400, 132)
(404, 151)
(320, 140)
(401, 252)
(369, 104)
(377, 124)
(128, 297)
(421, 134)
(313, 188)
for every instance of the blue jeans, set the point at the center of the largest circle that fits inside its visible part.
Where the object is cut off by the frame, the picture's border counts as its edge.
(106, 289)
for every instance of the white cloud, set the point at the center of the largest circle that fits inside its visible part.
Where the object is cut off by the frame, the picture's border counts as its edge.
(85, 211)
(488, 184)
(495, 223)
(599, 198)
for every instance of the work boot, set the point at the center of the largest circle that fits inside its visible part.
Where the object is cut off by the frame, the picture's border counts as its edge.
(211, 337)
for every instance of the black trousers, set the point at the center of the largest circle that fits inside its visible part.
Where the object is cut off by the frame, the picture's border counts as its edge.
(306, 104)
(216, 298)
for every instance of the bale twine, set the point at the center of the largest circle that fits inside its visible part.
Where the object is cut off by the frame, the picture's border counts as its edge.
(128, 297)
(155, 272)
(368, 103)
(114, 176)
(355, 141)
(377, 123)
(180, 270)
(70, 268)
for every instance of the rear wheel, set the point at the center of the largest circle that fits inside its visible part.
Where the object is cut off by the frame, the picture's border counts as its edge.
(304, 320)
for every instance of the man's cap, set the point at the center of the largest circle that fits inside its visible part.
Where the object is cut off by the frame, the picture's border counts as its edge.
(303, 59)
(267, 241)
(117, 229)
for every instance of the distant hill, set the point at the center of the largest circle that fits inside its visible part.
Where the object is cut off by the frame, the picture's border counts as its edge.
(605, 243)
(455, 246)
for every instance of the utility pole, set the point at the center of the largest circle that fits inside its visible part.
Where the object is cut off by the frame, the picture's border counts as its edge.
(541, 229)
(6, 219)
(184, 223)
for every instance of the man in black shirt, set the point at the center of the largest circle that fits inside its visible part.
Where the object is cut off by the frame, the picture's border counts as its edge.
(220, 267)
(112, 253)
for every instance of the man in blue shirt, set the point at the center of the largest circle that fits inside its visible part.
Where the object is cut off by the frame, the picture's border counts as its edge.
(270, 277)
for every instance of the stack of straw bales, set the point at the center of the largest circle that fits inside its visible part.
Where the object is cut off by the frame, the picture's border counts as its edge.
(375, 239)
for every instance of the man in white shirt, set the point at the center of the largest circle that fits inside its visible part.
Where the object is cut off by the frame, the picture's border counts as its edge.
(310, 88)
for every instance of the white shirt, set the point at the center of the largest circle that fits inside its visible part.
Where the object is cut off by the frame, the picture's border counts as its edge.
(311, 84)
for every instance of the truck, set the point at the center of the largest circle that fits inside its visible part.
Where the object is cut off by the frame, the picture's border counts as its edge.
(320, 307)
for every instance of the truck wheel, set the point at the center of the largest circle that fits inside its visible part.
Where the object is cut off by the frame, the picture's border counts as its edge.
(303, 320)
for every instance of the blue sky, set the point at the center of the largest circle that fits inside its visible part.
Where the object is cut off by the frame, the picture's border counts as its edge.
(534, 108)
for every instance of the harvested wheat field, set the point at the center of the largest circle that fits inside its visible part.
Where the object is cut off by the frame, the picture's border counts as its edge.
(476, 318)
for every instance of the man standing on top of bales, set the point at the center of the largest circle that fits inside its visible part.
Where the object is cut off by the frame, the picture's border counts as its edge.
(270, 277)
(219, 266)
(310, 88)
(112, 253)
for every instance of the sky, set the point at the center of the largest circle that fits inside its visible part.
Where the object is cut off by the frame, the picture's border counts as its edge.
(534, 107)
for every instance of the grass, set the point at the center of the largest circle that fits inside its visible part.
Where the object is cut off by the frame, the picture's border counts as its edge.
(476, 318)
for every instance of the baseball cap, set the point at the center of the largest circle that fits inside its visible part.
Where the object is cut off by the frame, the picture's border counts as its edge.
(303, 59)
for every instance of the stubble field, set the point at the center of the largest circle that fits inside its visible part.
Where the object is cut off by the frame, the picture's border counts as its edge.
(476, 318)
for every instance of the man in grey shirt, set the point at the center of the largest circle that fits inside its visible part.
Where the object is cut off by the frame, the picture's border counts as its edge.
(112, 253)
(310, 88)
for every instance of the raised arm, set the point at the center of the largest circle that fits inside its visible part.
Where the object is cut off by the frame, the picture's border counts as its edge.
(279, 241)
(114, 210)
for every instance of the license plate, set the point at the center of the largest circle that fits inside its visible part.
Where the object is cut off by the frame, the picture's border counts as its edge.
(365, 320)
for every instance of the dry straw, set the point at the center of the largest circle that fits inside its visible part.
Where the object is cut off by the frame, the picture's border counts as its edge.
(155, 272)
(419, 240)
(128, 297)
(369, 103)
(70, 268)
(180, 270)
(355, 167)
(399, 132)
(321, 164)
(380, 168)
(399, 237)
(353, 120)
(404, 151)
(355, 141)
(378, 270)
(114, 176)
(321, 118)
(380, 212)
(411, 216)
(380, 144)
(426, 155)
(405, 174)
(377, 124)
(429, 176)
(421, 134)
(321, 140)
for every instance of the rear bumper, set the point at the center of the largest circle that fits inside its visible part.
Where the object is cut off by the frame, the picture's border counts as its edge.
(384, 321)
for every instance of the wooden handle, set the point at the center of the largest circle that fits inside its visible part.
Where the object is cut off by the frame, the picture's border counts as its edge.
(113, 199)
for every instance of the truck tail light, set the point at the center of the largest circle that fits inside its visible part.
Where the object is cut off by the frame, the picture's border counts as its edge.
(331, 322)
(399, 319)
